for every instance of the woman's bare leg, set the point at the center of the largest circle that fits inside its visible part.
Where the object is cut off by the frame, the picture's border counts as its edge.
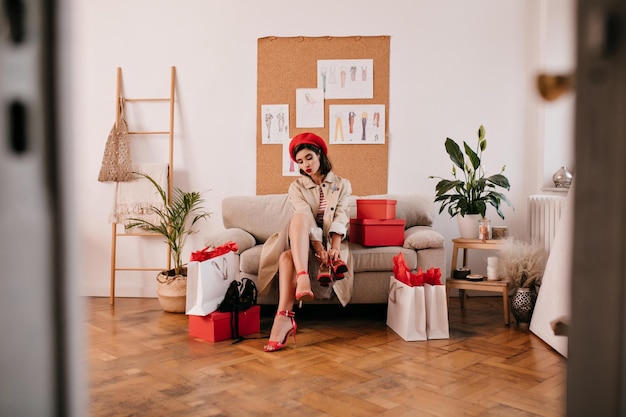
(299, 241)
(286, 296)
(290, 262)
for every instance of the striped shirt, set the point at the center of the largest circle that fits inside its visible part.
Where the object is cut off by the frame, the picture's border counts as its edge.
(319, 219)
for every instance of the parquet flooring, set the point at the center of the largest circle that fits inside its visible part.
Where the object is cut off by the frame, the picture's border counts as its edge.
(142, 362)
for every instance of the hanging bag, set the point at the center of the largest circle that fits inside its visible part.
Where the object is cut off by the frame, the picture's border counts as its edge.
(117, 162)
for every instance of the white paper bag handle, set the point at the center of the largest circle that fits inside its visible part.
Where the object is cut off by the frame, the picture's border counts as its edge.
(222, 269)
(392, 291)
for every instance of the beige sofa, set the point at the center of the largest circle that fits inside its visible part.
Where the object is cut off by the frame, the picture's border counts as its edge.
(250, 220)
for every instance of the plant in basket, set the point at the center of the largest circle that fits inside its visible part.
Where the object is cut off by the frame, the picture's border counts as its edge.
(175, 223)
(522, 264)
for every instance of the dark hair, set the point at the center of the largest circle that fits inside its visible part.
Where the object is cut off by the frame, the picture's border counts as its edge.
(325, 165)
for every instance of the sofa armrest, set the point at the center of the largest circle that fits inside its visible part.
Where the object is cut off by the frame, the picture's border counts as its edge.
(422, 237)
(243, 239)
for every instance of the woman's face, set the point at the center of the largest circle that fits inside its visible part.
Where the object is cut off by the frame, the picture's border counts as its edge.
(308, 161)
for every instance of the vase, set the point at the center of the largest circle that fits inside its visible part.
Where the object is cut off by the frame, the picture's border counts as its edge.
(523, 303)
(562, 178)
(467, 226)
(172, 292)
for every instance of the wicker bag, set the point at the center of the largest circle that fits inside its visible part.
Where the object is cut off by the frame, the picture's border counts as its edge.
(117, 162)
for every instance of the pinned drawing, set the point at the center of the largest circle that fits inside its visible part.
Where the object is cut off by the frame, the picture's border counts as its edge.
(357, 124)
(274, 123)
(309, 107)
(290, 168)
(346, 78)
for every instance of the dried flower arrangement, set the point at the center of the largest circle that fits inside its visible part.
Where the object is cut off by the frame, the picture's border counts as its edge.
(521, 263)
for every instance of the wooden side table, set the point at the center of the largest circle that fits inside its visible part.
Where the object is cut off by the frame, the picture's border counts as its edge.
(488, 286)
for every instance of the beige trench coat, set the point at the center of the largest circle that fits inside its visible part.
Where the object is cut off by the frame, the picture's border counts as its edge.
(305, 197)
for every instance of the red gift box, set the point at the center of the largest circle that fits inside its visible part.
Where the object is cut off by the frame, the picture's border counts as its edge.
(215, 327)
(372, 232)
(376, 209)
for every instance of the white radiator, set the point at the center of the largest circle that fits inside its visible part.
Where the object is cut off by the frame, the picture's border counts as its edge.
(544, 214)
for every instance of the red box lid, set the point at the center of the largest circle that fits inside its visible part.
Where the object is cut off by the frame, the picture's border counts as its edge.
(379, 222)
(376, 201)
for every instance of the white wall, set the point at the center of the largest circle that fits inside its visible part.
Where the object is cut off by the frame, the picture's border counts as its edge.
(454, 65)
(557, 56)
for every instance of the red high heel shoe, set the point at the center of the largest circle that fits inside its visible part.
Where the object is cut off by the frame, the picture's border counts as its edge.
(324, 277)
(303, 295)
(274, 346)
(339, 269)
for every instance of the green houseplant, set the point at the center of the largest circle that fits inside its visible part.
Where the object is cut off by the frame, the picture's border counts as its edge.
(175, 223)
(470, 193)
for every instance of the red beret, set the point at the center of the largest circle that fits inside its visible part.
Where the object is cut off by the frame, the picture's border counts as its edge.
(307, 138)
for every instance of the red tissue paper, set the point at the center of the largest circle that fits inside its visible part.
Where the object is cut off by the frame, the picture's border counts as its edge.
(208, 252)
(403, 274)
(432, 276)
(400, 269)
(417, 279)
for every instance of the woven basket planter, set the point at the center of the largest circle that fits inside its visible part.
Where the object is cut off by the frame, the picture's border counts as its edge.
(172, 292)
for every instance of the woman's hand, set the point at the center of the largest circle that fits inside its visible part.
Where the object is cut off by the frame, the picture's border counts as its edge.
(322, 257)
(334, 254)
(326, 257)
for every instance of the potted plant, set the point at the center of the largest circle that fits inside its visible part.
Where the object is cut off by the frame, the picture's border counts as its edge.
(470, 194)
(522, 264)
(174, 222)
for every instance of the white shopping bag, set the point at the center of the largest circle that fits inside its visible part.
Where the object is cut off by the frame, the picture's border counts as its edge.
(207, 282)
(436, 312)
(406, 311)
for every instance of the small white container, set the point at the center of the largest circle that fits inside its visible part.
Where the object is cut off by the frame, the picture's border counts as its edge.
(492, 273)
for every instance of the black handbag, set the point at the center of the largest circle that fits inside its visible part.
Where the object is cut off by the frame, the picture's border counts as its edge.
(231, 299)
(248, 295)
(240, 296)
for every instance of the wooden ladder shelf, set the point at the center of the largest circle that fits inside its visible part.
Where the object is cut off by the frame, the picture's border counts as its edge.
(115, 234)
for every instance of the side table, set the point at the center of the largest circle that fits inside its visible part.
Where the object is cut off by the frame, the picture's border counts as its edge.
(489, 286)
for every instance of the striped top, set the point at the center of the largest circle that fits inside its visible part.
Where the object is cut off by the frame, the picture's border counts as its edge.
(319, 219)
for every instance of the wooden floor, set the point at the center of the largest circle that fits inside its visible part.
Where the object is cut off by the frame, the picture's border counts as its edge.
(142, 362)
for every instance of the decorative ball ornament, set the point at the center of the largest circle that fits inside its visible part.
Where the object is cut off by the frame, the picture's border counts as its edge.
(562, 178)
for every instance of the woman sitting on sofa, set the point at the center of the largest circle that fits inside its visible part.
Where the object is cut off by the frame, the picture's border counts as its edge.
(321, 216)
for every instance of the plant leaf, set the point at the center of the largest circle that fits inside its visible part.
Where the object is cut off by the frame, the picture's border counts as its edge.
(444, 186)
(499, 180)
(473, 157)
(456, 156)
(481, 133)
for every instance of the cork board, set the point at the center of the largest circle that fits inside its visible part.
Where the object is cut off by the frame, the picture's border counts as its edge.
(288, 64)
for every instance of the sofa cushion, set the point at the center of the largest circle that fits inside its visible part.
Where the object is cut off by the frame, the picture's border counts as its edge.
(415, 209)
(243, 239)
(364, 259)
(249, 260)
(260, 215)
(379, 258)
(422, 237)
